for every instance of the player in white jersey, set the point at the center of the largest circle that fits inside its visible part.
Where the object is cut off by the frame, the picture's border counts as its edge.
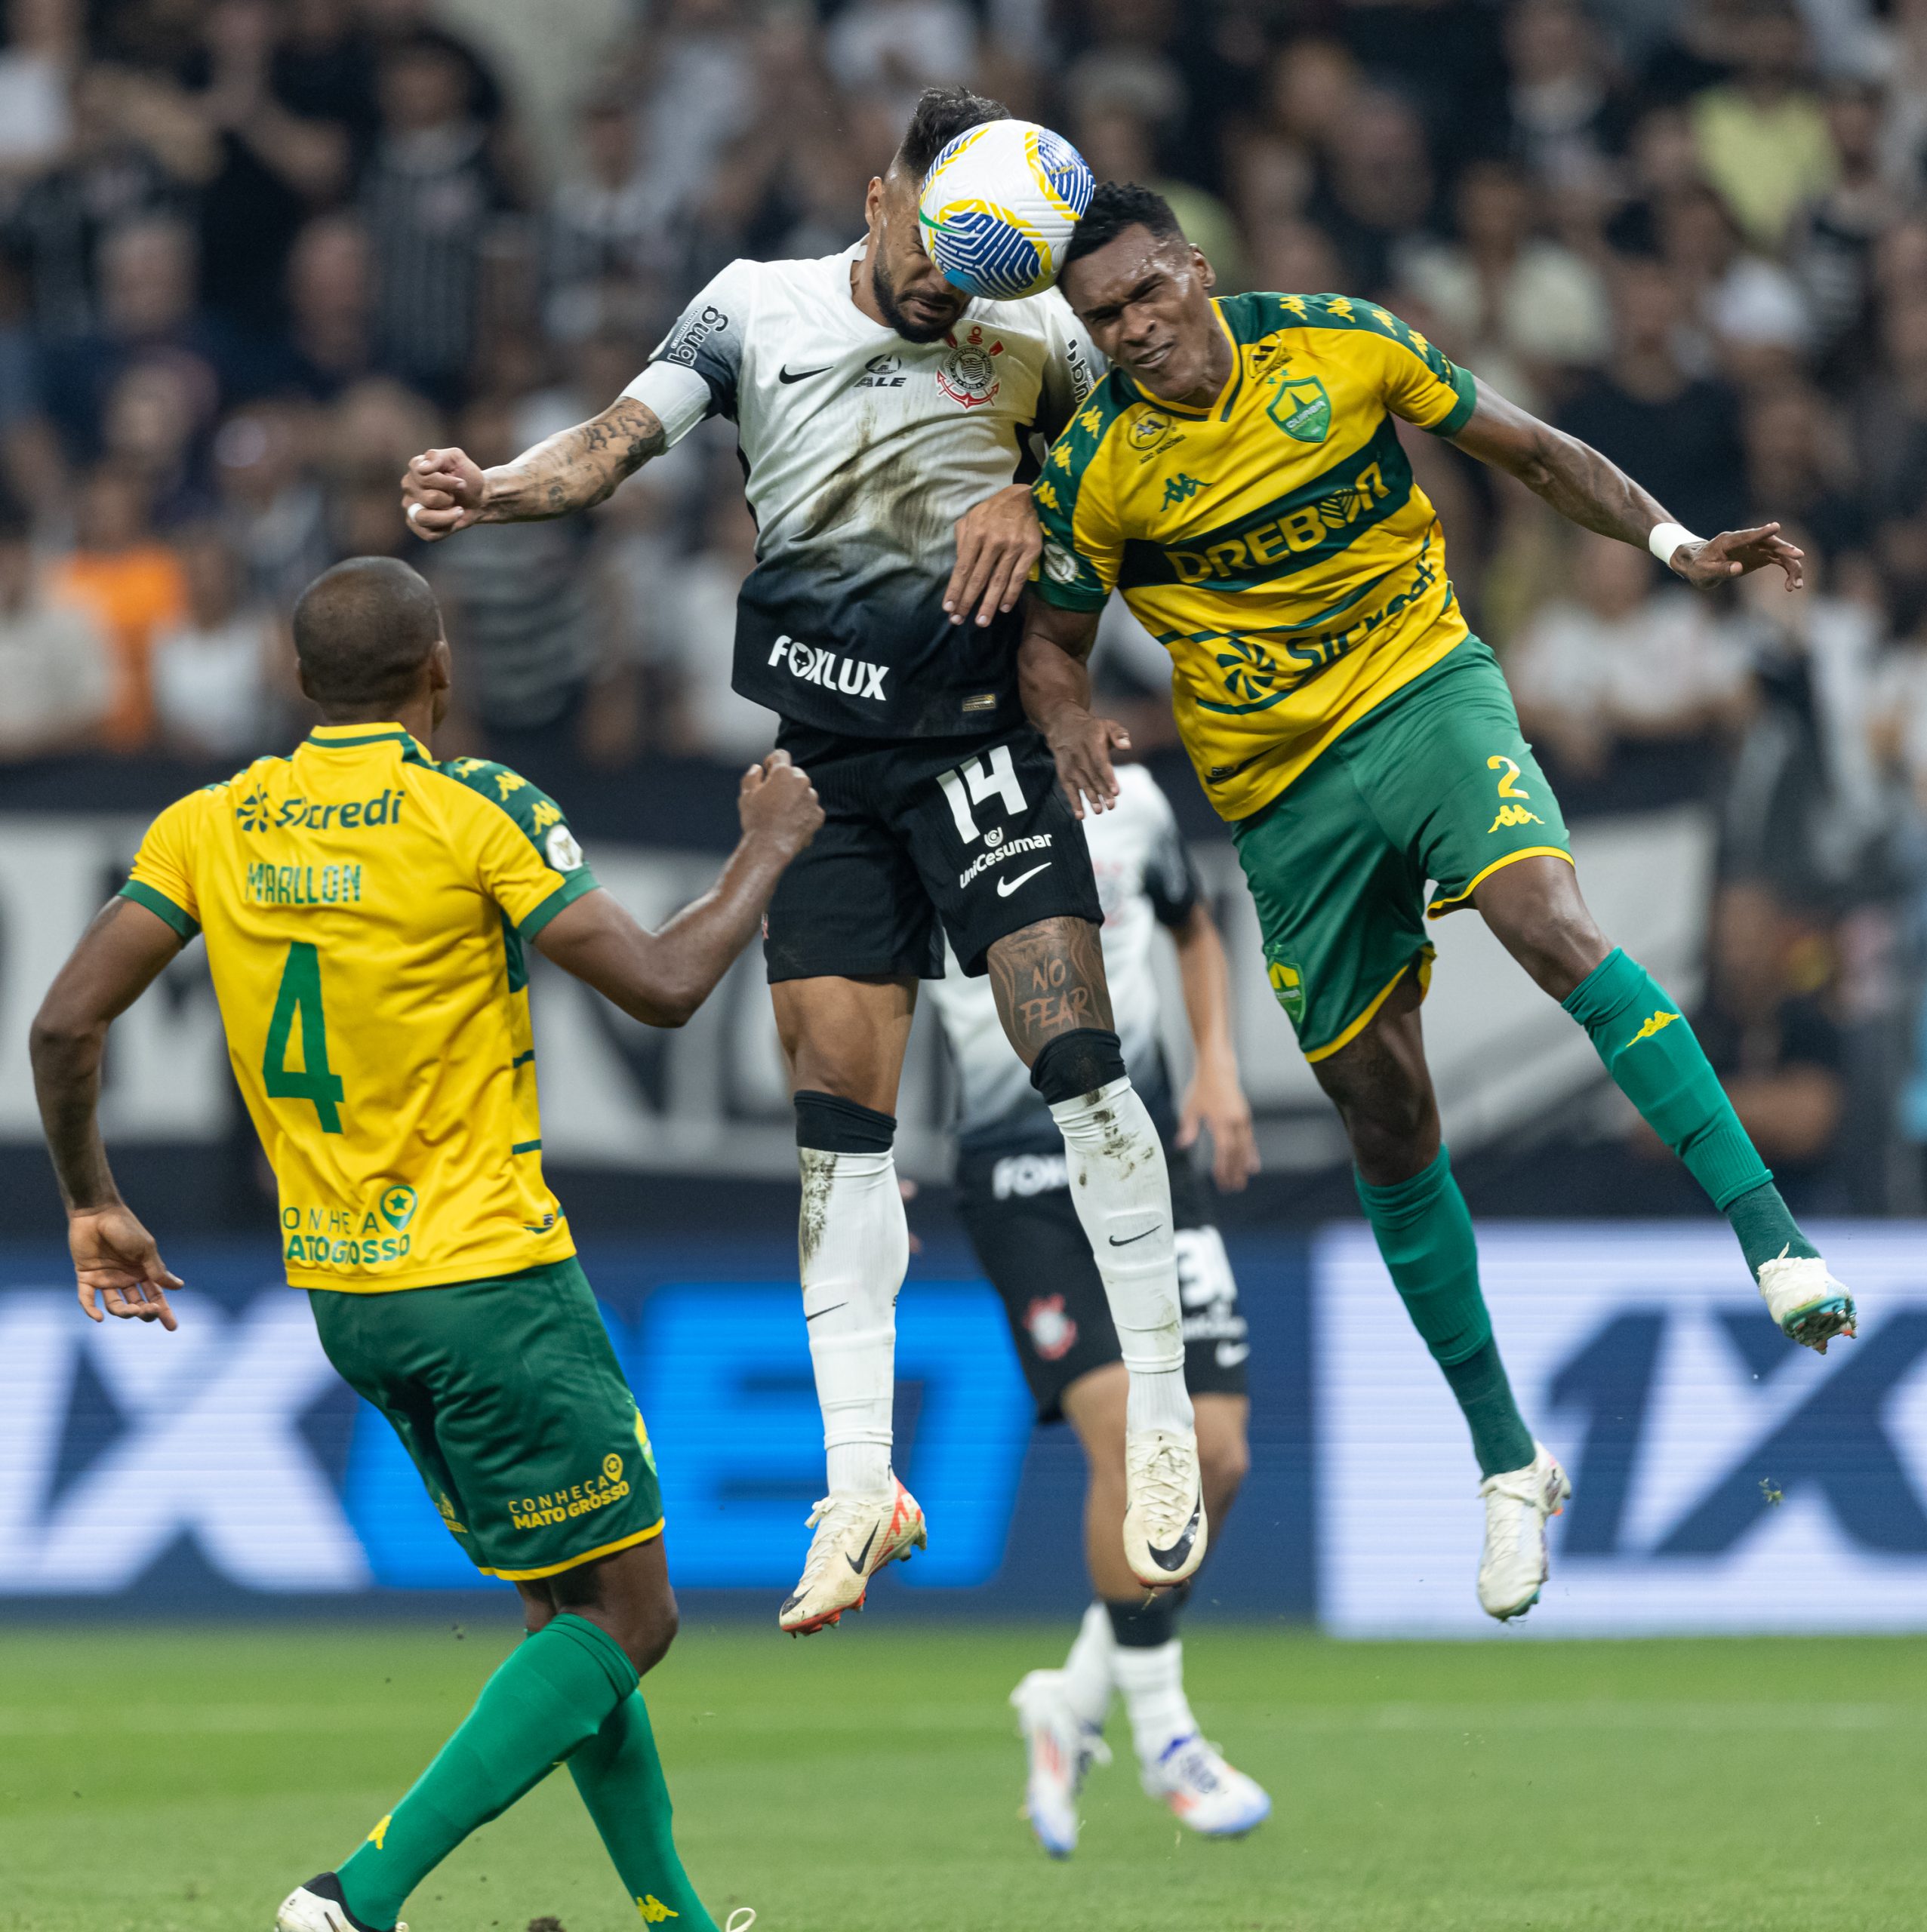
(1014, 1193)
(882, 416)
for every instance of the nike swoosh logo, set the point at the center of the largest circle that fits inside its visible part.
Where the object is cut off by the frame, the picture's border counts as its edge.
(1173, 1558)
(800, 375)
(856, 1561)
(1129, 1238)
(1006, 886)
(830, 1310)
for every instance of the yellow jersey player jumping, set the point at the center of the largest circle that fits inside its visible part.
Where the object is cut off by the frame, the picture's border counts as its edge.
(1238, 477)
(367, 913)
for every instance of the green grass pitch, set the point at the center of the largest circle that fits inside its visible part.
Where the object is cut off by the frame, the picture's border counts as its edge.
(866, 1780)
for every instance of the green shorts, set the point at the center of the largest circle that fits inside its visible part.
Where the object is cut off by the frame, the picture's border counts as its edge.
(1435, 784)
(509, 1398)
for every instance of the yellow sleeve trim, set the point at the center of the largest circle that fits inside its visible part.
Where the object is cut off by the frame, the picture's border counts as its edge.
(575, 1562)
(1439, 908)
(1422, 959)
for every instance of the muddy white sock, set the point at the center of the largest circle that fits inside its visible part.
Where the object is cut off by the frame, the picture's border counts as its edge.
(1122, 1194)
(852, 1245)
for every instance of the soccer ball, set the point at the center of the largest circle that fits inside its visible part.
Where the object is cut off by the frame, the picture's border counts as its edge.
(998, 206)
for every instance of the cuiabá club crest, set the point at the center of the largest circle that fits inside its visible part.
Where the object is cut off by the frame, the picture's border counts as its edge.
(968, 373)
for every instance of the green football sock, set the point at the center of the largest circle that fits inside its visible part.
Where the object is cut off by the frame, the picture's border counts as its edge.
(551, 1695)
(1651, 1052)
(1424, 1231)
(620, 1779)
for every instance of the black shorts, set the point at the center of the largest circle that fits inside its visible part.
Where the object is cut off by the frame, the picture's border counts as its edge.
(922, 837)
(1018, 1210)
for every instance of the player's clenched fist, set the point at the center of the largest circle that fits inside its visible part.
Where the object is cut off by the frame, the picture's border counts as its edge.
(778, 802)
(442, 491)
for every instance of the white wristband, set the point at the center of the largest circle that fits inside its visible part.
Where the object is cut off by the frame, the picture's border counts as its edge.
(1665, 538)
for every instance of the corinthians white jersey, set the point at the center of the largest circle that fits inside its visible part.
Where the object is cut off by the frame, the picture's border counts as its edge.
(1145, 879)
(861, 450)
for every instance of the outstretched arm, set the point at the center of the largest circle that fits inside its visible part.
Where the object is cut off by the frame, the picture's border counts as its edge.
(1054, 678)
(1587, 489)
(661, 978)
(119, 956)
(444, 490)
(1216, 1097)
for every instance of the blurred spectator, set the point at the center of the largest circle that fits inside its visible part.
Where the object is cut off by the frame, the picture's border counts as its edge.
(431, 196)
(1625, 661)
(896, 48)
(699, 640)
(217, 670)
(1767, 1029)
(1377, 188)
(109, 177)
(271, 507)
(331, 302)
(1679, 434)
(273, 166)
(607, 225)
(1118, 146)
(147, 313)
(1751, 313)
(1799, 465)
(1763, 137)
(1518, 310)
(56, 680)
(1570, 120)
(130, 584)
(1839, 229)
(35, 124)
(526, 612)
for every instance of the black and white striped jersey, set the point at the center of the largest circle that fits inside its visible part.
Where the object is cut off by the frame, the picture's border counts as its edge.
(860, 450)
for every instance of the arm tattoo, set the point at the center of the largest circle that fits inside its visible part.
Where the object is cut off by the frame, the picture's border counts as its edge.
(1048, 979)
(1588, 489)
(575, 469)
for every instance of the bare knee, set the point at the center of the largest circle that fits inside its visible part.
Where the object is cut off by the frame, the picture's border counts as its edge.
(1537, 914)
(1380, 1086)
(647, 1634)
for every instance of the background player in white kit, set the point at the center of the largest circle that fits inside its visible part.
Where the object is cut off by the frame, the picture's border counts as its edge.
(882, 416)
(1014, 1193)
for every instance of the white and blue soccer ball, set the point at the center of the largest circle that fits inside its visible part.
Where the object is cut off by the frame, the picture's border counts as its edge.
(999, 205)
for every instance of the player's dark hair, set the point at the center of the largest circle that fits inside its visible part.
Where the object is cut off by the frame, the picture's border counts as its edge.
(941, 115)
(362, 631)
(1115, 206)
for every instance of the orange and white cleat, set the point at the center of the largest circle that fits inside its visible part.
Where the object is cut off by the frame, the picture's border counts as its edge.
(856, 1533)
(1204, 1791)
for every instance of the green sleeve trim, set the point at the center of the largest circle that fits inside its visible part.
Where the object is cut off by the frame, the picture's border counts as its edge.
(526, 1147)
(162, 906)
(1460, 413)
(1068, 596)
(534, 812)
(567, 893)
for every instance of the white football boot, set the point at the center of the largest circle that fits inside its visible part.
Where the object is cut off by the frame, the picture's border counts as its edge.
(1164, 1531)
(856, 1534)
(310, 1908)
(1059, 1747)
(1810, 1307)
(1513, 1568)
(1204, 1793)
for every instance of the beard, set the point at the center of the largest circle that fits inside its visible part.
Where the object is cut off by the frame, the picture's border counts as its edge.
(893, 312)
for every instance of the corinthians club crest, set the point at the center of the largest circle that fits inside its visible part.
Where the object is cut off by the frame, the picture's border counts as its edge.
(968, 374)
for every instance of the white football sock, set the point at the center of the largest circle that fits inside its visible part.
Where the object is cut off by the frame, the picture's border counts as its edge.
(1087, 1671)
(1152, 1682)
(852, 1244)
(1122, 1194)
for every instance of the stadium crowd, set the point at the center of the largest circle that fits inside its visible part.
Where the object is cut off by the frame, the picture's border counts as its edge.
(255, 254)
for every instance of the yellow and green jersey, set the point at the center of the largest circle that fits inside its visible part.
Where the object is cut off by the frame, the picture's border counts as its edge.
(1273, 541)
(366, 910)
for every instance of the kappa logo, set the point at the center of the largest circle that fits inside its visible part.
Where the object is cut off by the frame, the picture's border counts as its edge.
(968, 373)
(1510, 815)
(1657, 1023)
(1180, 489)
(653, 1911)
(852, 676)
